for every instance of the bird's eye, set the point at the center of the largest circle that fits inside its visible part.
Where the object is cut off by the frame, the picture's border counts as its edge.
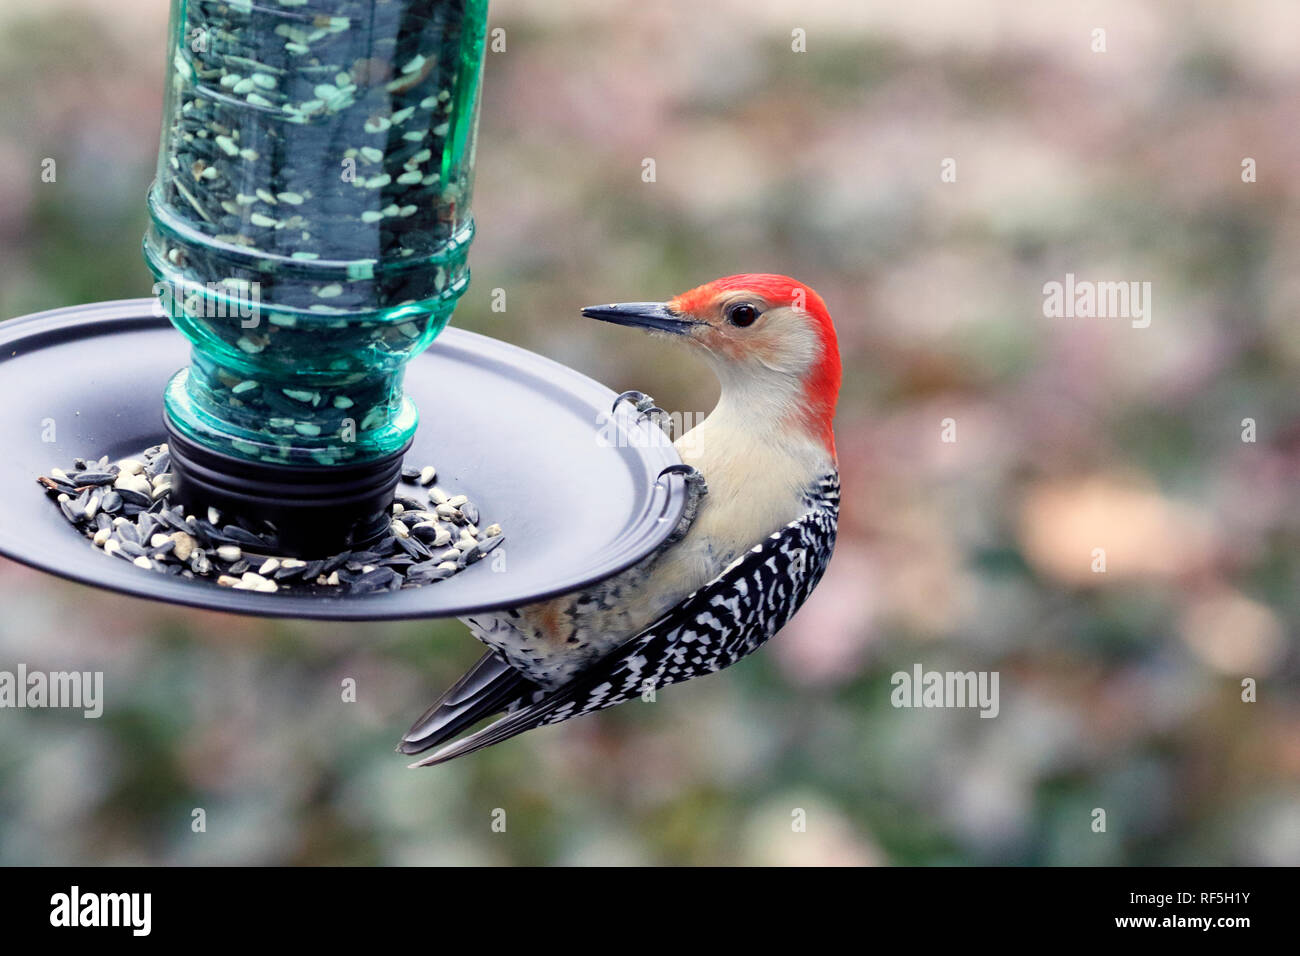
(742, 315)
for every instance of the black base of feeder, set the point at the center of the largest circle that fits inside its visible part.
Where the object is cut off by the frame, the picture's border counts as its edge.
(579, 496)
(315, 512)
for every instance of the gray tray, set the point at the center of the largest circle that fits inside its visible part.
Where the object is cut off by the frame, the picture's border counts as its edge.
(518, 433)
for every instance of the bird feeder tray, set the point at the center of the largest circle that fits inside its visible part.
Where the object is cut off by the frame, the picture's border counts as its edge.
(577, 488)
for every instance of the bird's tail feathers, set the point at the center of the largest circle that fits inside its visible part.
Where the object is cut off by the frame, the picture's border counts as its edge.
(487, 688)
(511, 725)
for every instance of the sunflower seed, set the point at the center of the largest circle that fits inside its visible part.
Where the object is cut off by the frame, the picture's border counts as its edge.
(109, 505)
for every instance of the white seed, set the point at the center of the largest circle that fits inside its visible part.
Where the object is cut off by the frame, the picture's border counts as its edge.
(230, 553)
(102, 535)
(269, 566)
(428, 474)
(136, 483)
(255, 582)
(143, 562)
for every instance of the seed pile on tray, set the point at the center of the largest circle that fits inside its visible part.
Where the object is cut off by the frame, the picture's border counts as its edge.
(123, 507)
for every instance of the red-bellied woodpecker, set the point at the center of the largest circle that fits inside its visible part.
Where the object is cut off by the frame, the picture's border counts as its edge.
(743, 559)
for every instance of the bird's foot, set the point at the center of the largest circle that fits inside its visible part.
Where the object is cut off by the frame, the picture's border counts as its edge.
(647, 408)
(640, 400)
(696, 489)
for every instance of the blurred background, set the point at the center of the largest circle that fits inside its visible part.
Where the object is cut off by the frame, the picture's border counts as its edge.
(1119, 690)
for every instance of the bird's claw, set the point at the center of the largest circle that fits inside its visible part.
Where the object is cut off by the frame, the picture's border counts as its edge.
(696, 489)
(693, 478)
(640, 400)
(646, 409)
(666, 421)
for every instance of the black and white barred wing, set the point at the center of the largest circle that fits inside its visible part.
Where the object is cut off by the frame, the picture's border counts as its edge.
(727, 619)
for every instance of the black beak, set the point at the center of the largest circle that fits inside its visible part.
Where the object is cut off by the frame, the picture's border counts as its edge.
(645, 315)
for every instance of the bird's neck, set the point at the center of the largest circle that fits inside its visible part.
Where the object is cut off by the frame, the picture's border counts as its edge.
(757, 457)
(764, 411)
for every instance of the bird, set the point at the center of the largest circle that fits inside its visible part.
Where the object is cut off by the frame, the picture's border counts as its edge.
(753, 541)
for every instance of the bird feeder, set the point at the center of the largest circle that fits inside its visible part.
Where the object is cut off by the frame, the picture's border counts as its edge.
(309, 229)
